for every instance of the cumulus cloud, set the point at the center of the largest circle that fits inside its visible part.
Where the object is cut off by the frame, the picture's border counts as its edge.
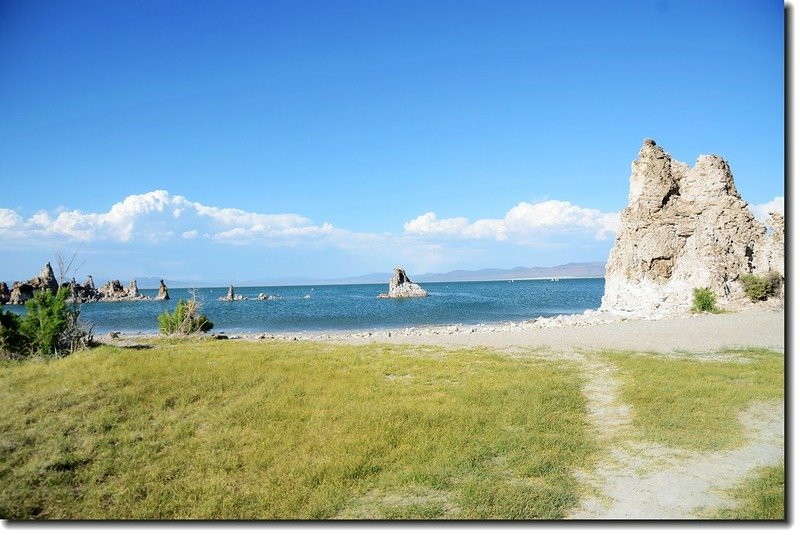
(8, 219)
(159, 216)
(522, 222)
(761, 211)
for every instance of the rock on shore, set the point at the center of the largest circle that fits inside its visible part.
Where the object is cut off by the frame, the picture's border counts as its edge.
(685, 228)
(400, 286)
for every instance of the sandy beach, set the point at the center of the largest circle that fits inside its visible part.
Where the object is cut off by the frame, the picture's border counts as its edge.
(592, 330)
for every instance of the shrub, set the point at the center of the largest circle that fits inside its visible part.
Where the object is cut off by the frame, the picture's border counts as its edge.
(761, 288)
(185, 319)
(51, 327)
(704, 300)
(12, 342)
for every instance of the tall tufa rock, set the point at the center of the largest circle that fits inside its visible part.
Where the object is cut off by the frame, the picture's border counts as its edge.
(401, 286)
(163, 292)
(684, 228)
(46, 280)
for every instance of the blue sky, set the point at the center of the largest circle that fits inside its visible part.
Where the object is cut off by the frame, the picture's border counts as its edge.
(239, 140)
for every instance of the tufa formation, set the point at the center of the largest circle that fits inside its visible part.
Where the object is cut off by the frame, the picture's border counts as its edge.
(685, 228)
(401, 286)
(113, 290)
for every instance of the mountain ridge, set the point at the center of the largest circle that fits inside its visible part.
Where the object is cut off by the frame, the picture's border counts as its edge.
(569, 270)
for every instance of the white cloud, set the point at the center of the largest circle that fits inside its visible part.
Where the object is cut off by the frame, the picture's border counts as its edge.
(522, 222)
(430, 225)
(158, 216)
(8, 219)
(427, 242)
(761, 211)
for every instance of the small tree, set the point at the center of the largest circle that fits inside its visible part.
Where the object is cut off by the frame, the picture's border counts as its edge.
(185, 319)
(704, 300)
(51, 327)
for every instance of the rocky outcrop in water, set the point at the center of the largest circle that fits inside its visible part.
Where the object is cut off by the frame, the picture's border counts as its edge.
(111, 291)
(685, 228)
(46, 280)
(133, 290)
(400, 286)
(20, 292)
(79, 293)
(163, 292)
(232, 295)
(23, 291)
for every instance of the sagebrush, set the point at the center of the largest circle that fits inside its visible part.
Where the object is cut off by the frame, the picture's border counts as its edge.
(704, 300)
(761, 288)
(185, 319)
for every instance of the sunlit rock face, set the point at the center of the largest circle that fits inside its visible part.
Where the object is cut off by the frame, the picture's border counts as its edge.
(685, 228)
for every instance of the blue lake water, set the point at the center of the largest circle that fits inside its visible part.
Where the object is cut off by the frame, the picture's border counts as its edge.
(355, 306)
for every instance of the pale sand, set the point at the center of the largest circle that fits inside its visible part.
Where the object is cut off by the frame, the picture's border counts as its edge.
(695, 333)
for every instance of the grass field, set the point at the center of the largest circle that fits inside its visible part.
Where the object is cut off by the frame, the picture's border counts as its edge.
(693, 404)
(226, 429)
(761, 496)
(289, 430)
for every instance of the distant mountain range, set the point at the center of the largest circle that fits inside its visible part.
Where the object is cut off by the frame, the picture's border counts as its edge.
(571, 270)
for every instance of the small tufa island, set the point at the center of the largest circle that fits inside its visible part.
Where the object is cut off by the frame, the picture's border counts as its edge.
(231, 295)
(687, 228)
(400, 286)
(113, 290)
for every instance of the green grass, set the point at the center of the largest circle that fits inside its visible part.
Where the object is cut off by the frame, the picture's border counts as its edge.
(225, 429)
(694, 404)
(761, 497)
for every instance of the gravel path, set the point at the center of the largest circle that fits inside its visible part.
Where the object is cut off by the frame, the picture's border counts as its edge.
(649, 481)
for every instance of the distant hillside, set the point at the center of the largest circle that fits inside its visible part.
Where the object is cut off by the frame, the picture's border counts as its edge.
(575, 269)
(152, 283)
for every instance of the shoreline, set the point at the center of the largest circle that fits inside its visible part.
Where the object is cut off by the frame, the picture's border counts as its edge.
(591, 330)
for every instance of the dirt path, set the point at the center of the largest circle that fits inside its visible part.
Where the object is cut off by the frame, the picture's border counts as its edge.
(640, 480)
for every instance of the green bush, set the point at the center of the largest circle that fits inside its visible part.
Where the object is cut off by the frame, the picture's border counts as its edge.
(704, 300)
(761, 288)
(45, 320)
(12, 342)
(50, 328)
(185, 319)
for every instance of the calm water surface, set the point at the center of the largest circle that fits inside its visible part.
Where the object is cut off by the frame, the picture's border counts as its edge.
(355, 307)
